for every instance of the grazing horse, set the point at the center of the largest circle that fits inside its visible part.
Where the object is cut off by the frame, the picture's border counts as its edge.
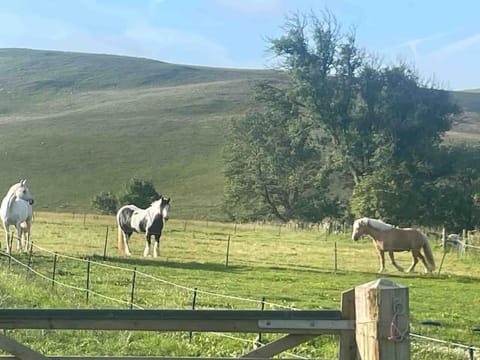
(16, 209)
(150, 221)
(389, 238)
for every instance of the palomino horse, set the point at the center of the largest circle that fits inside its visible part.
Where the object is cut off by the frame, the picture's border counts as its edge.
(150, 221)
(389, 238)
(16, 209)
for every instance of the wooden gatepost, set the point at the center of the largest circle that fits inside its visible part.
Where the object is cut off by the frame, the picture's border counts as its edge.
(373, 324)
(382, 326)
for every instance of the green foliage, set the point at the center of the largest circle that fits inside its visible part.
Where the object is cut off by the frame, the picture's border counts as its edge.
(139, 192)
(271, 163)
(105, 202)
(378, 126)
(361, 106)
(440, 192)
(375, 196)
(455, 196)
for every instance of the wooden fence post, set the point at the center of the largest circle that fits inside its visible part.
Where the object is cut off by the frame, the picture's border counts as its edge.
(382, 321)
(347, 345)
(105, 246)
(228, 251)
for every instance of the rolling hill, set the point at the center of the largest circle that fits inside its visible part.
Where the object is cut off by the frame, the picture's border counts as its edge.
(77, 124)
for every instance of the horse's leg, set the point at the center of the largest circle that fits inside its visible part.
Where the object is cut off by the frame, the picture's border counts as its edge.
(126, 236)
(7, 240)
(415, 255)
(392, 257)
(26, 233)
(381, 255)
(423, 260)
(29, 239)
(19, 237)
(156, 246)
(148, 239)
(23, 237)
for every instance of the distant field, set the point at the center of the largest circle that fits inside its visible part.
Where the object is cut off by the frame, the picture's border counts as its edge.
(78, 124)
(291, 268)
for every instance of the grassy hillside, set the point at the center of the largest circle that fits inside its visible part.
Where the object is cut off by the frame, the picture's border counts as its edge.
(78, 124)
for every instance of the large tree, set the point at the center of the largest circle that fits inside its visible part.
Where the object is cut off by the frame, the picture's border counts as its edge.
(372, 114)
(272, 163)
(353, 115)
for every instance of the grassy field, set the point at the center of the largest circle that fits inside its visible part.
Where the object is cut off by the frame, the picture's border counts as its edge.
(78, 124)
(291, 268)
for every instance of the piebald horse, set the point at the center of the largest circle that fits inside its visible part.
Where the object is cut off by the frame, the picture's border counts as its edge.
(150, 221)
(388, 238)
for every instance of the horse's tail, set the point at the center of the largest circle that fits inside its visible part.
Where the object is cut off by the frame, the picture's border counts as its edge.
(428, 254)
(120, 241)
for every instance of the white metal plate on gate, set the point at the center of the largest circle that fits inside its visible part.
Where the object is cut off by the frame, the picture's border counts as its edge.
(307, 324)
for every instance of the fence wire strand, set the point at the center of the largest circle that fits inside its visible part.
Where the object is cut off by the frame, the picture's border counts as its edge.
(33, 271)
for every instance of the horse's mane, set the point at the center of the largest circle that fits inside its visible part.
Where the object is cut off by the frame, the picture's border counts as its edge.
(156, 202)
(13, 188)
(9, 198)
(375, 223)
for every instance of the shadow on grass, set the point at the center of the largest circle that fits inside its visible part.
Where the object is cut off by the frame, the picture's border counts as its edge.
(342, 272)
(134, 261)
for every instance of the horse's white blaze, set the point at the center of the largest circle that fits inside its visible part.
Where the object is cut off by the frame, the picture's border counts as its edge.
(165, 212)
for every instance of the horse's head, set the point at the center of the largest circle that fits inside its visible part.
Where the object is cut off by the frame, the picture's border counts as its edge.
(164, 207)
(359, 227)
(20, 191)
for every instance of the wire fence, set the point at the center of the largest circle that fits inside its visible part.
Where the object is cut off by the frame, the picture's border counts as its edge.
(127, 284)
(35, 264)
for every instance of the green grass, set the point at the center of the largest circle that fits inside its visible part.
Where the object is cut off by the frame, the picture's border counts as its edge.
(78, 124)
(71, 157)
(287, 266)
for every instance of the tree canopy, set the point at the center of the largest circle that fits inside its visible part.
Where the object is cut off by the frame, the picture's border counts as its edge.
(139, 192)
(341, 124)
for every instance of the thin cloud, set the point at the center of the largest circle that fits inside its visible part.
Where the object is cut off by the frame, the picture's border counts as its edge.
(460, 45)
(413, 45)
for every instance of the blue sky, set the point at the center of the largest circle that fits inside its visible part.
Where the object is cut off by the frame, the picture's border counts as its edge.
(440, 38)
